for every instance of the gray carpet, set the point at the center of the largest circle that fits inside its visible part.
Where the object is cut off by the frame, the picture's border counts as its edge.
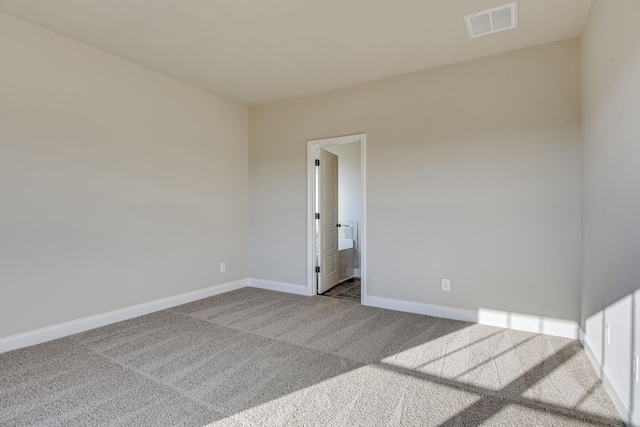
(259, 358)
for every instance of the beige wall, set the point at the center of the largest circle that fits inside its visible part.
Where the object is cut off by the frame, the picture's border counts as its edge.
(611, 135)
(117, 185)
(473, 173)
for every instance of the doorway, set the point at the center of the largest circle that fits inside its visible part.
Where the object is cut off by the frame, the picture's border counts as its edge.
(330, 229)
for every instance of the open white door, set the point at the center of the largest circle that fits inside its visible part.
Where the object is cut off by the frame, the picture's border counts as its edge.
(320, 276)
(328, 229)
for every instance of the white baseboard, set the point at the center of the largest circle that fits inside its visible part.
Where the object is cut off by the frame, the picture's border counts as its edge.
(521, 322)
(422, 308)
(529, 323)
(593, 357)
(623, 407)
(60, 330)
(271, 285)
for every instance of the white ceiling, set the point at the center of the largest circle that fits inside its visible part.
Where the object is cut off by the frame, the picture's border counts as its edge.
(260, 51)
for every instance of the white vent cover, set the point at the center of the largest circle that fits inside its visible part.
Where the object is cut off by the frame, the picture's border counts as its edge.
(492, 20)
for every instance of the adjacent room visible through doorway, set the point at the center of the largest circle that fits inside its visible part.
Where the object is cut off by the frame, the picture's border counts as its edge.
(337, 217)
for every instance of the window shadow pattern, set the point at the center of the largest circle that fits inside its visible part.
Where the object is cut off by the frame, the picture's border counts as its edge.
(257, 357)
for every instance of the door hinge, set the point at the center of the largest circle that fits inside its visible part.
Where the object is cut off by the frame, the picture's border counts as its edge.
(317, 269)
(317, 216)
(317, 162)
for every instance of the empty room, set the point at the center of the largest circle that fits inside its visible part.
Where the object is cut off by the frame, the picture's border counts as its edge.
(319, 213)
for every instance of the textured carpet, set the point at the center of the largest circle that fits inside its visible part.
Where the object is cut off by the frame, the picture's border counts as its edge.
(259, 358)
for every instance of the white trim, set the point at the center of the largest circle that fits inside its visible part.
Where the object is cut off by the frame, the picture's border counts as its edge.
(311, 197)
(593, 356)
(337, 140)
(356, 272)
(71, 327)
(614, 393)
(529, 323)
(362, 256)
(560, 328)
(289, 288)
(521, 322)
(423, 308)
(311, 209)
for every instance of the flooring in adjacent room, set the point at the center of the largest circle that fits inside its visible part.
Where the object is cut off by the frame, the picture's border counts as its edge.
(349, 290)
(254, 357)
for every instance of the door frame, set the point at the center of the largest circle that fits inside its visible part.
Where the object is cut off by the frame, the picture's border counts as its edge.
(312, 145)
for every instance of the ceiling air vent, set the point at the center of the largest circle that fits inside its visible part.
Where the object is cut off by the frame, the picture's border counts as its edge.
(492, 20)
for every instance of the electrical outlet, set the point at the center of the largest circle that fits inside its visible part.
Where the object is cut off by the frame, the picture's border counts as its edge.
(223, 267)
(607, 333)
(445, 285)
(636, 368)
